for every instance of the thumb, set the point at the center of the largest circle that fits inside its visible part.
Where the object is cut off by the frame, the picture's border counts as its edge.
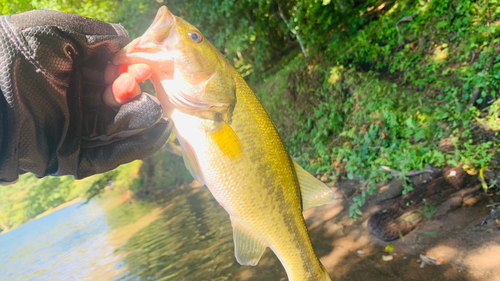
(123, 82)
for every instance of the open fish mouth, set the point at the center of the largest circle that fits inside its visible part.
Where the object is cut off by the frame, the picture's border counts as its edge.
(175, 80)
(156, 47)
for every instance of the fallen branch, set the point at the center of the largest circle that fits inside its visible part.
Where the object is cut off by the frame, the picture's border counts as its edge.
(428, 260)
(416, 173)
(410, 173)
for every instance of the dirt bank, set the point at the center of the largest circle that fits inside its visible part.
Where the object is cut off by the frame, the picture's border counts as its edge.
(350, 252)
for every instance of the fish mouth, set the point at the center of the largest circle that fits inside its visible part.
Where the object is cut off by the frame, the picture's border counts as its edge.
(159, 48)
(156, 47)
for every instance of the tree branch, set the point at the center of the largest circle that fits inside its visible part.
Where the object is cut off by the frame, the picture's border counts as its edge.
(292, 30)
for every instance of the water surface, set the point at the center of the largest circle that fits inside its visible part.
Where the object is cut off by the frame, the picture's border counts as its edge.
(184, 236)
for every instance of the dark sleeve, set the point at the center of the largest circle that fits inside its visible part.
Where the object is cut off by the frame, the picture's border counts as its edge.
(53, 120)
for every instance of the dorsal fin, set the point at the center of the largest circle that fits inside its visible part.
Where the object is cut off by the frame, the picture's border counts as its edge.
(313, 192)
(247, 249)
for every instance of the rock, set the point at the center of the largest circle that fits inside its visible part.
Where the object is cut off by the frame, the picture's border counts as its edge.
(446, 145)
(491, 220)
(452, 203)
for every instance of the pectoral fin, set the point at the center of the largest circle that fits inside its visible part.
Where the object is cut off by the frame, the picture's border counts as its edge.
(227, 140)
(190, 161)
(313, 192)
(247, 249)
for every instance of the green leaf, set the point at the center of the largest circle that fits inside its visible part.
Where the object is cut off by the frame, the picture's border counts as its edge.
(419, 135)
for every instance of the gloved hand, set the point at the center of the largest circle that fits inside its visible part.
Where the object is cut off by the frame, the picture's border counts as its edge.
(53, 119)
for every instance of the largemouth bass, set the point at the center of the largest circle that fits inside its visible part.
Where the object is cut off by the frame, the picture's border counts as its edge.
(230, 144)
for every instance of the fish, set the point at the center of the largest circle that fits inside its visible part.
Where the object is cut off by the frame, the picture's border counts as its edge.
(230, 144)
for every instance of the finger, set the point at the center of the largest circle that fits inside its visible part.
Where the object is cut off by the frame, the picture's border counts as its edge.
(110, 73)
(108, 97)
(140, 71)
(125, 88)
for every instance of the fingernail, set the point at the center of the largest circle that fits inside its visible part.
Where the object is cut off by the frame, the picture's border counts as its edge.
(125, 88)
(140, 71)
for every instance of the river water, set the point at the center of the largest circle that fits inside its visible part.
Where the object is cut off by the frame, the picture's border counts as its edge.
(184, 236)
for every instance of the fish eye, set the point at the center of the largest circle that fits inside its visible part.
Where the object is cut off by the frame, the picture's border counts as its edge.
(195, 36)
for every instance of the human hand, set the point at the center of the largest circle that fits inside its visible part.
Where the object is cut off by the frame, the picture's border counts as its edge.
(58, 114)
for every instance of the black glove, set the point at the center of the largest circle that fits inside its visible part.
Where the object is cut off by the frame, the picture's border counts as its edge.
(53, 120)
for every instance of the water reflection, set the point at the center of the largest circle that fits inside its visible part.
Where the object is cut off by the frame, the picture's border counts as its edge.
(184, 236)
(189, 241)
(57, 246)
(192, 240)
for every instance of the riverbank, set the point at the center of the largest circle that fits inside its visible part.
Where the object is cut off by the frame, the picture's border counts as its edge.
(49, 211)
(64, 205)
(31, 198)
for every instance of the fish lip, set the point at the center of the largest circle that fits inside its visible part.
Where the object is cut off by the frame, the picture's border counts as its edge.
(155, 47)
(187, 103)
(160, 28)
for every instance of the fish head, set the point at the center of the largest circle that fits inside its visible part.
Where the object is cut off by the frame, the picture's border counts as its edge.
(189, 73)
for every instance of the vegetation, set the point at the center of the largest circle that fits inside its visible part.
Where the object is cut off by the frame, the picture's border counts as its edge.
(351, 85)
(389, 87)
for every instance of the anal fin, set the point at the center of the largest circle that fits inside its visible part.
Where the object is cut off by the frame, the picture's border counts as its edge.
(313, 191)
(247, 249)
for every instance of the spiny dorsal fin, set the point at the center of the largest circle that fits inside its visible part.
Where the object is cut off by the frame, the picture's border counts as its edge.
(227, 140)
(247, 250)
(313, 192)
